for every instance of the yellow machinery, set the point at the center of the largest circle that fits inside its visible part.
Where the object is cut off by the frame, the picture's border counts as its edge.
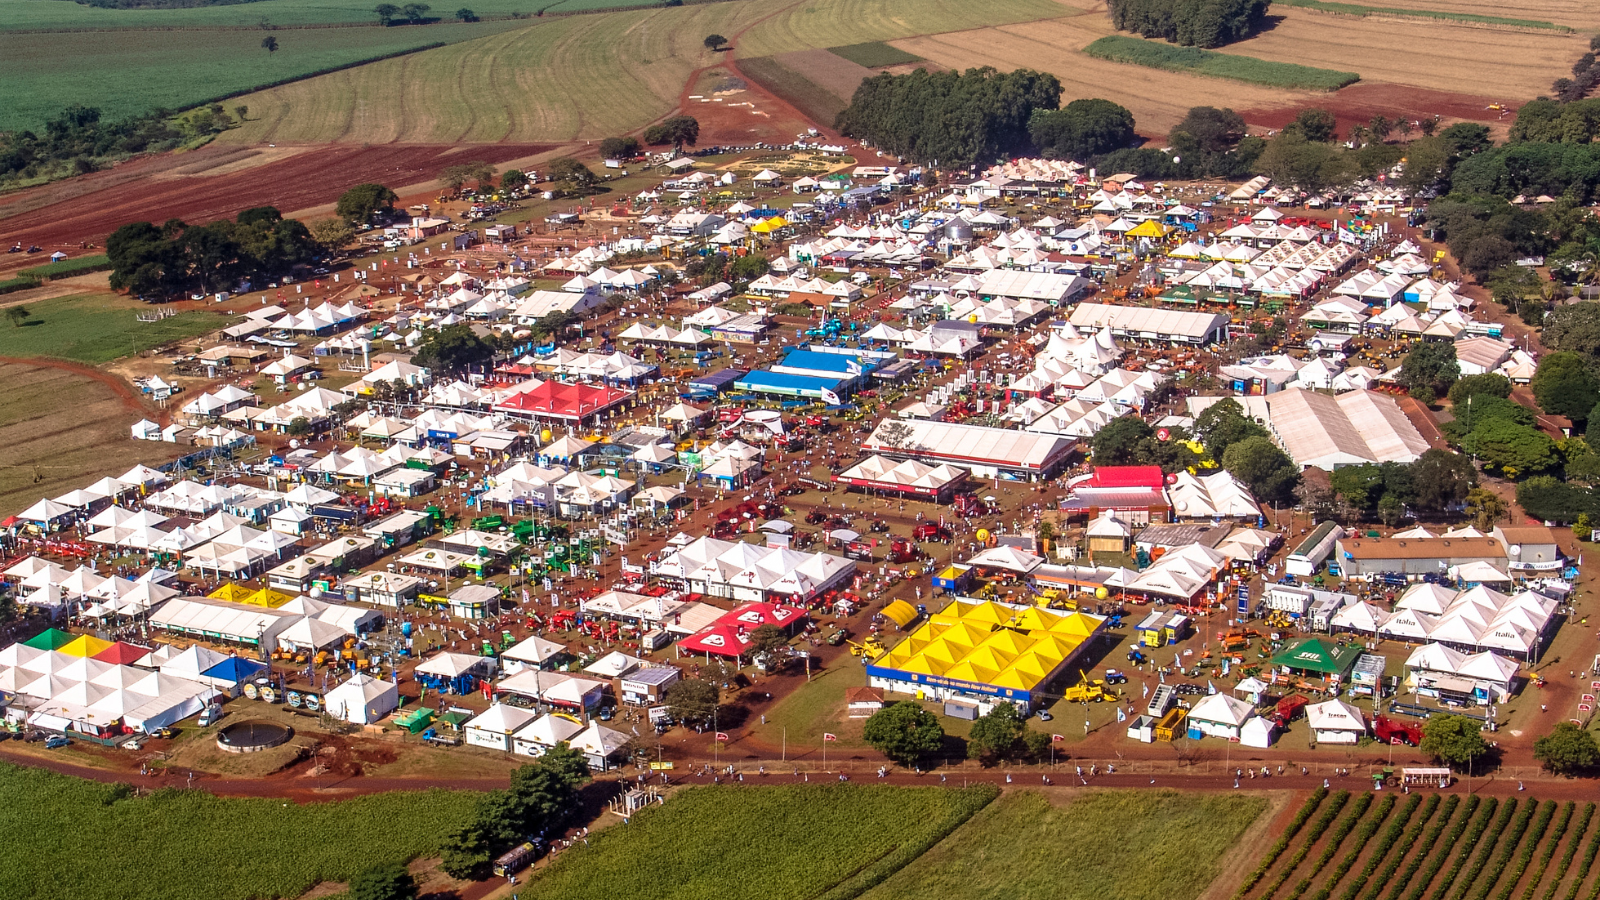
(869, 647)
(1089, 691)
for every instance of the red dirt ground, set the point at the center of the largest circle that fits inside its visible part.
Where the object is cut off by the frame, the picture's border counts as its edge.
(1358, 103)
(187, 186)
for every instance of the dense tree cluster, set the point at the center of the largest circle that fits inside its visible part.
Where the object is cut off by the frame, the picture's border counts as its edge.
(158, 262)
(1081, 130)
(1438, 481)
(362, 202)
(621, 147)
(904, 732)
(79, 137)
(950, 119)
(453, 348)
(1191, 23)
(679, 131)
(540, 799)
(1429, 370)
(1208, 143)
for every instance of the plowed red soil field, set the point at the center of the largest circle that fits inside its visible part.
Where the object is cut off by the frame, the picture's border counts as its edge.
(218, 182)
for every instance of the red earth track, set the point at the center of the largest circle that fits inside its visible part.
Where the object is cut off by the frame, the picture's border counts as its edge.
(158, 188)
(1358, 103)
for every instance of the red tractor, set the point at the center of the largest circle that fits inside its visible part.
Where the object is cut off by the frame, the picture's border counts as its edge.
(901, 550)
(932, 531)
(1389, 731)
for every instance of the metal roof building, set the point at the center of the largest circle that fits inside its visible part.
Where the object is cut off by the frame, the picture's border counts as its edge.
(1350, 429)
(986, 451)
(1142, 322)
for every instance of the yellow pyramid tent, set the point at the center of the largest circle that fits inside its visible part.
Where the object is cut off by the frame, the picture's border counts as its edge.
(232, 593)
(1149, 228)
(85, 645)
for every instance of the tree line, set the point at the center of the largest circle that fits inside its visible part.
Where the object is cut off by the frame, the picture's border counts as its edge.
(1190, 23)
(158, 262)
(950, 119)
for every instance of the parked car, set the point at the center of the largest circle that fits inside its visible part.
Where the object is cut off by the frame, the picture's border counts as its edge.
(56, 743)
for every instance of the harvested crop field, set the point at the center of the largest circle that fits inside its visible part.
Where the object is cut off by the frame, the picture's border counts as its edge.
(1504, 64)
(816, 103)
(64, 451)
(1158, 99)
(218, 182)
(1583, 15)
(827, 70)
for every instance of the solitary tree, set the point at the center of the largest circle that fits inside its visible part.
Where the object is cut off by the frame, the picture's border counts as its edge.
(331, 233)
(18, 314)
(904, 732)
(677, 131)
(692, 698)
(414, 12)
(767, 638)
(715, 42)
(270, 44)
(386, 13)
(466, 15)
(619, 148)
(1453, 740)
(995, 735)
(1567, 750)
(513, 180)
(241, 111)
(360, 202)
(571, 175)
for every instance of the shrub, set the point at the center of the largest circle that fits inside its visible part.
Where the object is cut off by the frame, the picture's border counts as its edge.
(1396, 831)
(1152, 54)
(1282, 844)
(1470, 863)
(1583, 867)
(1346, 825)
(1571, 852)
(1369, 827)
(1355, 9)
(1436, 861)
(1317, 828)
(1538, 813)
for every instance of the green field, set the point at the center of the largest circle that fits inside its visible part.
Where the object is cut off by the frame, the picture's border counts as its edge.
(583, 76)
(1101, 845)
(69, 267)
(814, 101)
(27, 15)
(1159, 55)
(97, 328)
(1356, 9)
(875, 54)
(135, 72)
(72, 839)
(795, 842)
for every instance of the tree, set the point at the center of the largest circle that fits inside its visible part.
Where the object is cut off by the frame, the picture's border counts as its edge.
(18, 314)
(904, 732)
(414, 12)
(1223, 424)
(386, 13)
(1430, 365)
(715, 42)
(1426, 162)
(1082, 129)
(1360, 486)
(270, 44)
(299, 426)
(1453, 740)
(453, 349)
(331, 233)
(768, 637)
(626, 147)
(241, 111)
(679, 131)
(692, 699)
(467, 852)
(361, 202)
(1516, 450)
(466, 15)
(1567, 750)
(1565, 385)
(1268, 471)
(995, 734)
(1214, 130)
(1391, 510)
(513, 180)
(1487, 385)
(386, 881)
(1124, 441)
(1191, 23)
(1485, 507)
(1441, 479)
(1574, 328)
(571, 175)
(1316, 124)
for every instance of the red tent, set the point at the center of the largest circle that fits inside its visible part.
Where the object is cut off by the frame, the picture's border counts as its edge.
(122, 653)
(753, 615)
(717, 639)
(557, 400)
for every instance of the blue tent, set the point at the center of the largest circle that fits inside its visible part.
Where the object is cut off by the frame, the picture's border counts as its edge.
(235, 670)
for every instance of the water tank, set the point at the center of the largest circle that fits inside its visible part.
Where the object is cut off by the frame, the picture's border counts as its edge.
(958, 231)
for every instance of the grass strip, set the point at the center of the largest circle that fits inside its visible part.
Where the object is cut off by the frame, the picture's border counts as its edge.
(875, 54)
(1362, 11)
(66, 268)
(1159, 55)
(1571, 852)
(1340, 798)
(1346, 825)
(1562, 822)
(1282, 844)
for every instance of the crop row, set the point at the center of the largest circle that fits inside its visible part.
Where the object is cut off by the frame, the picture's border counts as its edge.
(1562, 821)
(1317, 828)
(1368, 829)
(1480, 858)
(1282, 844)
(1397, 829)
(1424, 853)
(1346, 825)
(1157, 55)
(1530, 843)
(1571, 851)
(1452, 840)
(1583, 867)
(1407, 841)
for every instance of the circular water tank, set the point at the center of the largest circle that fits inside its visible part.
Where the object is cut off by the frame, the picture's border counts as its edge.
(959, 230)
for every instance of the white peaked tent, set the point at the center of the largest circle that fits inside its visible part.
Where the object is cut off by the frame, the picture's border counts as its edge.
(1220, 715)
(363, 700)
(1336, 722)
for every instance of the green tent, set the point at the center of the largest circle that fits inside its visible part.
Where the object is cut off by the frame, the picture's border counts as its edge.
(1184, 294)
(49, 639)
(1316, 655)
